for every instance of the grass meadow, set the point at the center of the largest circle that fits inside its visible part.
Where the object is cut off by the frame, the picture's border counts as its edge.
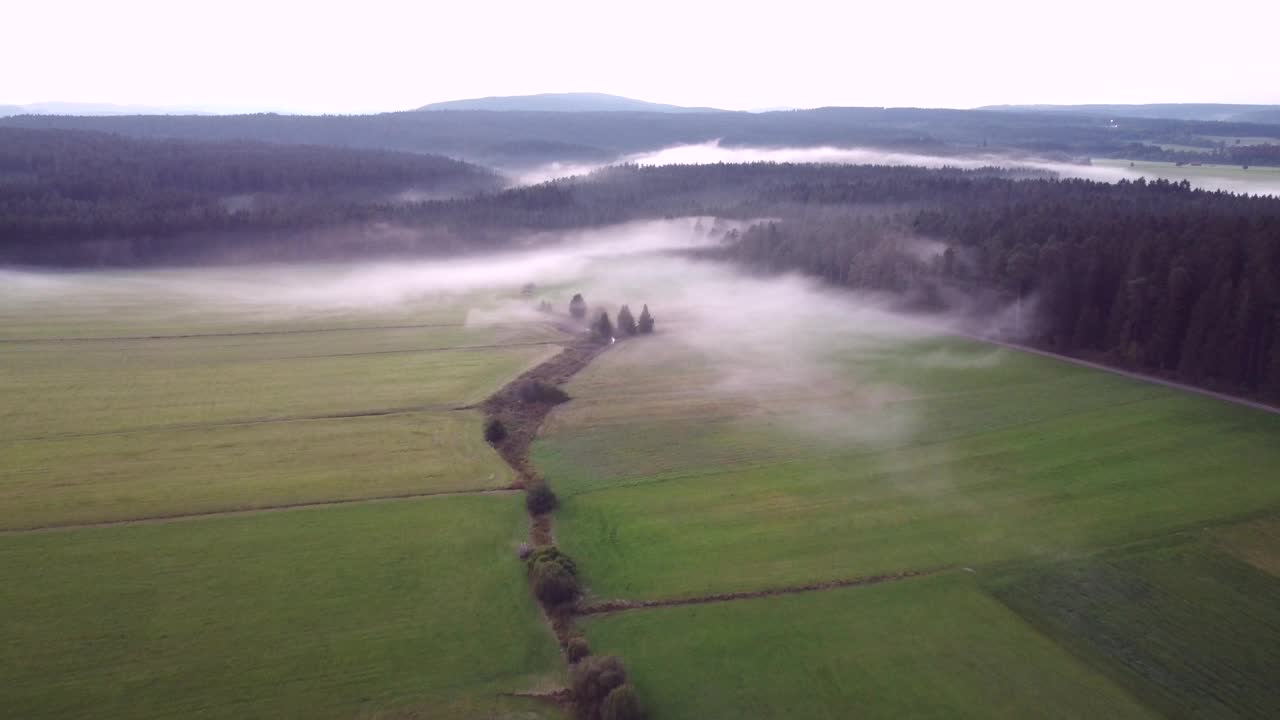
(1102, 546)
(319, 613)
(126, 398)
(1258, 179)
(926, 454)
(935, 647)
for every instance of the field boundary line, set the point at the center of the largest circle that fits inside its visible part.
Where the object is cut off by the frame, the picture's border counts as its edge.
(254, 333)
(180, 427)
(282, 507)
(409, 351)
(609, 607)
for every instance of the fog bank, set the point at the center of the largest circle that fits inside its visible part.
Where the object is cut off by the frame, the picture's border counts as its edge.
(714, 152)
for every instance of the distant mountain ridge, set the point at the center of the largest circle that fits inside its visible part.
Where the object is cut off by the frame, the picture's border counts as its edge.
(1221, 112)
(562, 102)
(100, 109)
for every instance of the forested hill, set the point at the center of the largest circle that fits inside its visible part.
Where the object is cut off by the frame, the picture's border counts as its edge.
(61, 188)
(519, 139)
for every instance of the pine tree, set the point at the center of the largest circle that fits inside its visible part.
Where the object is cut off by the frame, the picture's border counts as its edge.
(626, 321)
(578, 306)
(604, 328)
(646, 321)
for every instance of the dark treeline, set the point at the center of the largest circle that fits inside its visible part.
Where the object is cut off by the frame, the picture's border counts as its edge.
(60, 188)
(515, 139)
(1220, 154)
(1152, 276)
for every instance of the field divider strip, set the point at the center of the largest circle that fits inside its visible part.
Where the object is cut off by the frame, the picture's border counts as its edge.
(609, 607)
(283, 507)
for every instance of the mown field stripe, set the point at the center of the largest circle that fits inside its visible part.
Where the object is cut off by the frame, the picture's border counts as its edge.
(234, 422)
(608, 607)
(253, 333)
(283, 507)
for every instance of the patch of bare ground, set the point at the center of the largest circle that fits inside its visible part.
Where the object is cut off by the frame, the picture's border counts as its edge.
(604, 607)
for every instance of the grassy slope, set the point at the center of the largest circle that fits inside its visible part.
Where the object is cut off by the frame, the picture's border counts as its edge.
(926, 648)
(307, 613)
(1194, 632)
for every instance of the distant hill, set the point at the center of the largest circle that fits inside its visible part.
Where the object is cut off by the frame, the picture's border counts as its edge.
(7, 110)
(563, 102)
(1159, 111)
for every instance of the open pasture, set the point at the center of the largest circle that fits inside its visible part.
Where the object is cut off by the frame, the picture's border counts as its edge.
(1193, 632)
(1257, 180)
(917, 454)
(127, 399)
(319, 613)
(933, 647)
(142, 426)
(993, 457)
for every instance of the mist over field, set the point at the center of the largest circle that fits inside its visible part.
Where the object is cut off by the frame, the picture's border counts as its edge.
(778, 336)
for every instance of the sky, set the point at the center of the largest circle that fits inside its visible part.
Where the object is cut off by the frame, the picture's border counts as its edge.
(376, 55)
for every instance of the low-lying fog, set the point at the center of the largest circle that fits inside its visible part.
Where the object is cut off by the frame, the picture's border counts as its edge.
(714, 152)
(785, 333)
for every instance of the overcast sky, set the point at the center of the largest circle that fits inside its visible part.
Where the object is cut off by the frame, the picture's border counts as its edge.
(374, 55)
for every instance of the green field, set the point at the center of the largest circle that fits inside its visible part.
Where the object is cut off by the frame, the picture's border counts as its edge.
(925, 648)
(133, 396)
(925, 454)
(1014, 459)
(1102, 546)
(321, 613)
(1193, 632)
(1258, 179)
(97, 430)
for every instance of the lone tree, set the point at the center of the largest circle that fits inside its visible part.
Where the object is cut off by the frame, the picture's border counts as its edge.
(646, 321)
(578, 306)
(603, 328)
(626, 321)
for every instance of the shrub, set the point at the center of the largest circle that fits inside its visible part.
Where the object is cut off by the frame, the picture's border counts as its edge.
(553, 584)
(593, 679)
(576, 649)
(494, 431)
(578, 306)
(550, 554)
(541, 391)
(621, 704)
(539, 499)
